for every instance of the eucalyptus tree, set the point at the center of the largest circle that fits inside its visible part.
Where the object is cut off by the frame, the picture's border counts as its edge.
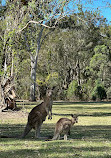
(29, 18)
(2, 12)
(43, 15)
(24, 18)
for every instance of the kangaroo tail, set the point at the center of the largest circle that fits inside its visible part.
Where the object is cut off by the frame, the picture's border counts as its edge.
(27, 130)
(56, 136)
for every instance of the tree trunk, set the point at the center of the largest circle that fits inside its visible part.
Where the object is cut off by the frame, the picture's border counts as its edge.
(2, 99)
(34, 60)
(12, 67)
(78, 72)
(33, 78)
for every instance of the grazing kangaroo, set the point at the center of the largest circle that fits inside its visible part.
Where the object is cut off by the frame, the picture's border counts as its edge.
(38, 115)
(64, 125)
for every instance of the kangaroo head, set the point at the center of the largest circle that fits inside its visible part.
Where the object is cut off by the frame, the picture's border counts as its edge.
(75, 118)
(49, 93)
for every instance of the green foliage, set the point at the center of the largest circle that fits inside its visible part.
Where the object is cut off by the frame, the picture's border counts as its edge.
(109, 93)
(22, 77)
(58, 54)
(86, 90)
(101, 49)
(50, 80)
(98, 61)
(98, 66)
(74, 91)
(99, 92)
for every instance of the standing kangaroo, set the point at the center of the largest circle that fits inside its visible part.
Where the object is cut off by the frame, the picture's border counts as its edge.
(64, 125)
(38, 115)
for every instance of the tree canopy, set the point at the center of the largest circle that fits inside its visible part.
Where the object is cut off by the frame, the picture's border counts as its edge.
(47, 43)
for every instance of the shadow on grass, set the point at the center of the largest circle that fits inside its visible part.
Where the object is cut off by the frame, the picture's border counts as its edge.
(27, 104)
(16, 130)
(94, 114)
(91, 132)
(42, 148)
(79, 107)
(57, 150)
(47, 130)
(59, 103)
(83, 109)
(13, 130)
(81, 103)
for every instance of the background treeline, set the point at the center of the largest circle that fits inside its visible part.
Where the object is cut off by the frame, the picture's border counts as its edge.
(74, 56)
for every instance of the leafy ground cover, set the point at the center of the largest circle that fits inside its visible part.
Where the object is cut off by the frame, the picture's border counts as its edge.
(90, 138)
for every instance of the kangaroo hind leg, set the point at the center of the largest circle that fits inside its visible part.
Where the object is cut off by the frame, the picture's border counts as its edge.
(37, 130)
(65, 136)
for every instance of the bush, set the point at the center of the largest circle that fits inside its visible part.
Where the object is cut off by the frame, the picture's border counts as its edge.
(99, 92)
(74, 91)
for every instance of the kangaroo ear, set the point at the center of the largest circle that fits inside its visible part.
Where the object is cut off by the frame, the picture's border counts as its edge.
(74, 115)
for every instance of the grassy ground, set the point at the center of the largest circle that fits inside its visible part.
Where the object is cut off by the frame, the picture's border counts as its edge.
(90, 138)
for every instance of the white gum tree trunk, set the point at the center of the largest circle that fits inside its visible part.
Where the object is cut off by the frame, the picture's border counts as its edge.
(34, 59)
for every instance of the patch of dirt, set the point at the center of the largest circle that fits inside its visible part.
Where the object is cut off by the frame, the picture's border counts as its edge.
(13, 114)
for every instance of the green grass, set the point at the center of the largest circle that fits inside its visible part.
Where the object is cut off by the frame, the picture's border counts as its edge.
(90, 138)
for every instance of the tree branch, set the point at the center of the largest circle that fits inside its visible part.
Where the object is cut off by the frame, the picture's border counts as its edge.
(35, 22)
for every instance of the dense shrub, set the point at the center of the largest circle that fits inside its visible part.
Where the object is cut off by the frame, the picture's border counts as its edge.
(74, 91)
(99, 92)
